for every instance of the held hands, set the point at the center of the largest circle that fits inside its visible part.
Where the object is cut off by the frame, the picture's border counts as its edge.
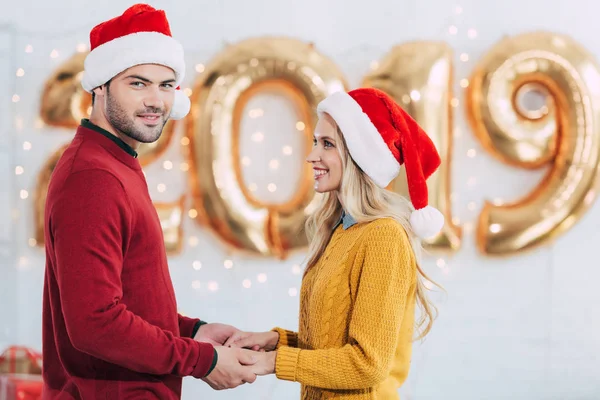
(217, 334)
(234, 367)
(262, 341)
(236, 364)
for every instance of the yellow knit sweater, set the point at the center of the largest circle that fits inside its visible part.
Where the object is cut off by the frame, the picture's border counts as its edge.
(357, 309)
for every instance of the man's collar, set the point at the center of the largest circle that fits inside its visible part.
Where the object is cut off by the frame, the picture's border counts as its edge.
(128, 149)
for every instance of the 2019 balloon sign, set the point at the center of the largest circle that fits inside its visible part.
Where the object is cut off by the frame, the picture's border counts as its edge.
(564, 133)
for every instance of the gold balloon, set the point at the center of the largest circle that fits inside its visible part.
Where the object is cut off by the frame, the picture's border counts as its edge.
(290, 67)
(171, 221)
(41, 192)
(418, 76)
(563, 132)
(64, 103)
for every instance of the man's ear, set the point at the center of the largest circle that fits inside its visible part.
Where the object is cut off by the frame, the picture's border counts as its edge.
(100, 90)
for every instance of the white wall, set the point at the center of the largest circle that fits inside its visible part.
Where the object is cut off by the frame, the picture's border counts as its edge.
(524, 327)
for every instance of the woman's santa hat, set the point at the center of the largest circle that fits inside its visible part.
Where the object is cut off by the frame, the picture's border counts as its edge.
(381, 137)
(141, 35)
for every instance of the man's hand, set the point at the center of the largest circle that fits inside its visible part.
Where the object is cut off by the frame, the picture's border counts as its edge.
(234, 367)
(215, 334)
(264, 341)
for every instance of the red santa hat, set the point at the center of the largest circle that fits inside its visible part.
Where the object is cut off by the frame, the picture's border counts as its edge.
(141, 35)
(381, 137)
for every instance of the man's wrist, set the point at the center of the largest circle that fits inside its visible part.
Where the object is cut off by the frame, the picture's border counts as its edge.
(197, 327)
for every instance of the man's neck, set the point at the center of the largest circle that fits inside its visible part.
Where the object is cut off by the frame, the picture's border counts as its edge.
(104, 124)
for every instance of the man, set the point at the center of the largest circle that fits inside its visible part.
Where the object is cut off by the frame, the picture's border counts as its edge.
(111, 329)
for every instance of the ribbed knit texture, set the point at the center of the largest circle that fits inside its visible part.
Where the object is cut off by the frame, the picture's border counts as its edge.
(356, 317)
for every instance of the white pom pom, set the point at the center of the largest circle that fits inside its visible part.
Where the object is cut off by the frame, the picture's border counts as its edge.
(181, 105)
(426, 222)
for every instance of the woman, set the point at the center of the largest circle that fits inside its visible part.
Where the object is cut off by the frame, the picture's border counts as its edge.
(363, 275)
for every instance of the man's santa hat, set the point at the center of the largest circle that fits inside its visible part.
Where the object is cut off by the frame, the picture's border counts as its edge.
(381, 137)
(141, 35)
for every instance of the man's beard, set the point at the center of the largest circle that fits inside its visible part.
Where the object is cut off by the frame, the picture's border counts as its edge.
(125, 124)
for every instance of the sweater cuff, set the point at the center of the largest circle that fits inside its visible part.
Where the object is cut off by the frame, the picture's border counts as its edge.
(206, 359)
(286, 363)
(214, 363)
(197, 326)
(286, 338)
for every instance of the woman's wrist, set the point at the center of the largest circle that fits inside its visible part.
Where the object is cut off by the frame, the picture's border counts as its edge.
(273, 339)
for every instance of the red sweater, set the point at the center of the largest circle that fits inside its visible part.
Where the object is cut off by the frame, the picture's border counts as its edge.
(111, 329)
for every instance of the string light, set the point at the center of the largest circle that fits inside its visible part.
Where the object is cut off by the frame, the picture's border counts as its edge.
(192, 213)
(300, 125)
(185, 141)
(258, 137)
(262, 278)
(256, 113)
(415, 95)
(472, 33)
(184, 166)
(187, 91)
(471, 206)
(287, 150)
(498, 201)
(406, 99)
(54, 54)
(15, 213)
(441, 263)
(464, 83)
(428, 284)
(82, 48)
(458, 10)
(16, 98)
(24, 194)
(199, 68)
(247, 283)
(23, 261)
(39, 124)
(495, 228)
(228, 264)
(374, 64)
(20, 72)
(29, 49)
(253, 187)
(19, 170)
(193, 241)
(167, 165)
(464, 57)
(456, 220)
(196, 265)
(19, 123)
(471, 153)
(274, 164)
(293, 292)
(161, 187)
(26, 146)
(213, 286)
(454, 102)
(453, 30)
(271, 187)
(296, 270)
(196, 285)
(32, 242)
(246, 161)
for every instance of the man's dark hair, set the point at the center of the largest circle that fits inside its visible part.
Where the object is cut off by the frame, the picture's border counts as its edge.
(107, 84)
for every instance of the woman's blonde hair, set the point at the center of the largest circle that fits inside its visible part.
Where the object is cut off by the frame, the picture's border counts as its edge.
(365, 202)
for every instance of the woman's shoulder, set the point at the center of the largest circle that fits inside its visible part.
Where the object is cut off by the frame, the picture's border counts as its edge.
(386, 228)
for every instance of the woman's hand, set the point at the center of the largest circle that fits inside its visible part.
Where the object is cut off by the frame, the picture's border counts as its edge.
(261, 341)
